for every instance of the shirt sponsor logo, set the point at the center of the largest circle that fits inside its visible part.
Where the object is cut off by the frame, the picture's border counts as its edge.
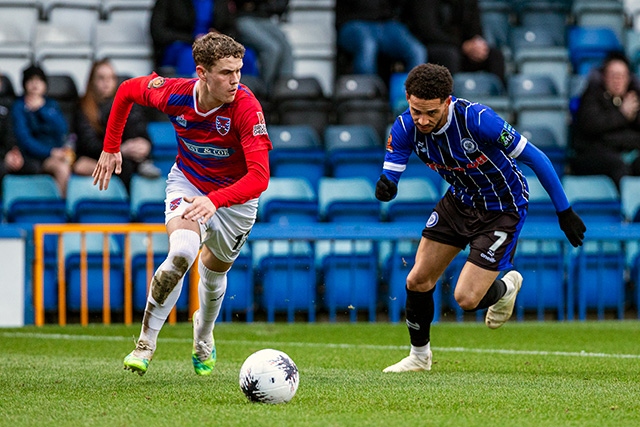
(156, 83)
(433, 220)
(473, 165)
(173, 205)
(223, 124)
(181, 120)
(208, 151)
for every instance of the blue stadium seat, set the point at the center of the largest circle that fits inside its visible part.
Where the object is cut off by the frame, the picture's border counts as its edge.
(630, 197)
(354, 151)
(600, 14)
(483, 88)
(297, 152)
(594, 197)
(543, 137)
(147, 199)
(348, 200)
(32, 199)
(541, 209)
(397, 95)
(94, 244)
(536, 100)
(288, 200)
(543, 266)
(85, 203)
(164, 148)
(240, 288)
(415, 200)
(588, 46)
(287, 273)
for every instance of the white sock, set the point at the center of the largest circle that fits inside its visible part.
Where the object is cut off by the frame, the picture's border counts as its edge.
(422, 351)
(183, 249)
(211, 289)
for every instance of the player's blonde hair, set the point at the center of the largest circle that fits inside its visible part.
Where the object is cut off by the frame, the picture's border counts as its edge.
(211, 47)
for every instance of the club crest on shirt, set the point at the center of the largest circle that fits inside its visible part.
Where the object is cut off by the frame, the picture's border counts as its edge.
(156, 83)
(261, 127)
(223, 124)
(433, 219)
(469, 145)
(173, 205)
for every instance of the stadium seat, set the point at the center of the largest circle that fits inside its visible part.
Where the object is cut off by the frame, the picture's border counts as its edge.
(164, 147)
(483, 88)
(239, 297)
(359, 86)
(286, 270)
(544, 138)
(297, 152)
(415, 200)
(17, 24)
(62, 88)
(543, 265)
(301, 101)
(288, 200)
(594, 197)
(94, 246)
(630, 197)
(600, 14)
(538, 50)
(551, 14)
(32, 199)
(588, 46)
(85, 203)
(354, 151)
(147, 199)
(597, 279)
(347, 200)
(536, 100)
(541, 209)
(397, 95)
(496, 17)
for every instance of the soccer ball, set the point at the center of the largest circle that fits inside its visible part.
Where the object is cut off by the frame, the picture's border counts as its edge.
(269, 376)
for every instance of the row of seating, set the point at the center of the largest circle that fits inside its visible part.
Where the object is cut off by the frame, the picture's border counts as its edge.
(352, 276)
(36, 199)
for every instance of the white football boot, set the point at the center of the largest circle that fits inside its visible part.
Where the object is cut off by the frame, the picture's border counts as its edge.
(501, 311)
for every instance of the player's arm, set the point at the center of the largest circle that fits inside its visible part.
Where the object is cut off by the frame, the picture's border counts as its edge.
(395, 161)
(129, 92)
(570, 222)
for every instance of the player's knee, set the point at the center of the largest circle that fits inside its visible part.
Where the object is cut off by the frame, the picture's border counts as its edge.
(465, 301)
(419, 284)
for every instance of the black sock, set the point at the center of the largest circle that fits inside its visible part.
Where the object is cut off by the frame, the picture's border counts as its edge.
(493, 295)
(419, 313)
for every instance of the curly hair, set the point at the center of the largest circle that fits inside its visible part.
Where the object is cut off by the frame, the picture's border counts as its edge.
(211, 47)
(429, 81)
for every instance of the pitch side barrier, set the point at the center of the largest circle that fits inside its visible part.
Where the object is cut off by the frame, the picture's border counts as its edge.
(590, 278)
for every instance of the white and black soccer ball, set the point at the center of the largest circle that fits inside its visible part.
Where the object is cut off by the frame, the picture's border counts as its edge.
(269, 376)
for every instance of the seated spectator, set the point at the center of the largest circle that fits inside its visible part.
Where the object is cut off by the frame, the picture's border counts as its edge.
(369, 27)
(452, 32)
(91, 123)
(607, 126)
(175, 24)
(41, 130)
(257, 25)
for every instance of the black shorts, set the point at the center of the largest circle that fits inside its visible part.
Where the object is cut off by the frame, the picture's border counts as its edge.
(491, 235)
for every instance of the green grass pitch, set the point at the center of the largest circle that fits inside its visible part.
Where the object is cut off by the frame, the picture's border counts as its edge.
(523, 374)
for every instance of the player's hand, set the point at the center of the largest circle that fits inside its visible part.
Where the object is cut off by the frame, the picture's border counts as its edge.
(572, 226)
(107, 164)
(201, 209)
(385, 189)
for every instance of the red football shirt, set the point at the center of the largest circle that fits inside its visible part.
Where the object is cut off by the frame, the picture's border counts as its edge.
(222, 152)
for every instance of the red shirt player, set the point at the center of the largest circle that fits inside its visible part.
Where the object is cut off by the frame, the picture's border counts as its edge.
(212, 192)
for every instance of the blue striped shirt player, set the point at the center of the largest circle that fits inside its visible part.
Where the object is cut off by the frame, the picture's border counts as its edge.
(485, 207)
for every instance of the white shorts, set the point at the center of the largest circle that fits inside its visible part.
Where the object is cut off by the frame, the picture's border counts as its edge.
(225, 233)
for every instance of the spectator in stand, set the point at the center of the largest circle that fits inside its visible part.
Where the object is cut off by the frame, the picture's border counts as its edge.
(257, 25)
(175, 24)
(91, 124)
(41, 129)
(369, 27)
(12, 160)
(607, 125)
(452, 32)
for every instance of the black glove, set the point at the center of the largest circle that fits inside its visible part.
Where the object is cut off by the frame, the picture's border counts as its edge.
(385, 189)
(572, 226)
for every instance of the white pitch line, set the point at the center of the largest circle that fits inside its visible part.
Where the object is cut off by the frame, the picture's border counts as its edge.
(29, 335)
